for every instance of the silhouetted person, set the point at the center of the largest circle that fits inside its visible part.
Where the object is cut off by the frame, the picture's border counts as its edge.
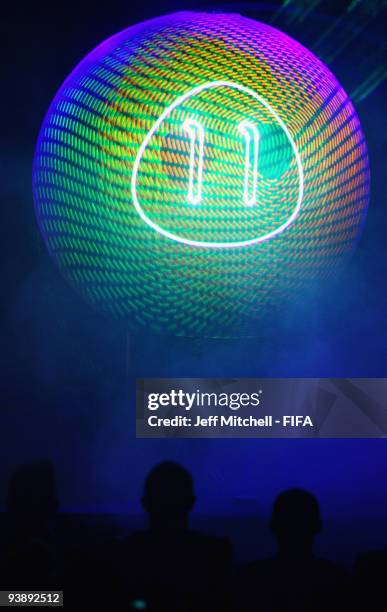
(29, 555)
(171, 567)
(45, 550)
(168, 498)
(293, 580)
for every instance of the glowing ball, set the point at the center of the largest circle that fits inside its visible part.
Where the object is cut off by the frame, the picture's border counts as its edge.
(196, 170)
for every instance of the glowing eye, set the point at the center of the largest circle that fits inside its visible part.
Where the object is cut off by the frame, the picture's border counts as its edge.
(251, 134)
(196, 134)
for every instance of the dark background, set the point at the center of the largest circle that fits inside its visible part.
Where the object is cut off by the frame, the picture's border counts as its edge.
(66, 371)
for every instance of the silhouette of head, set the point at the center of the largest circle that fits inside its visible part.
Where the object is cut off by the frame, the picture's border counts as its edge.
(168, 495)
(295, 520)
(32, 493)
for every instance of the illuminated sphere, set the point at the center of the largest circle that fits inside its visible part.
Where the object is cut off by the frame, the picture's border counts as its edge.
(196, 171)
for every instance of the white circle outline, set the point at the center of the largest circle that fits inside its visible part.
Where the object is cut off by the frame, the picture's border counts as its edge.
(165, 113)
